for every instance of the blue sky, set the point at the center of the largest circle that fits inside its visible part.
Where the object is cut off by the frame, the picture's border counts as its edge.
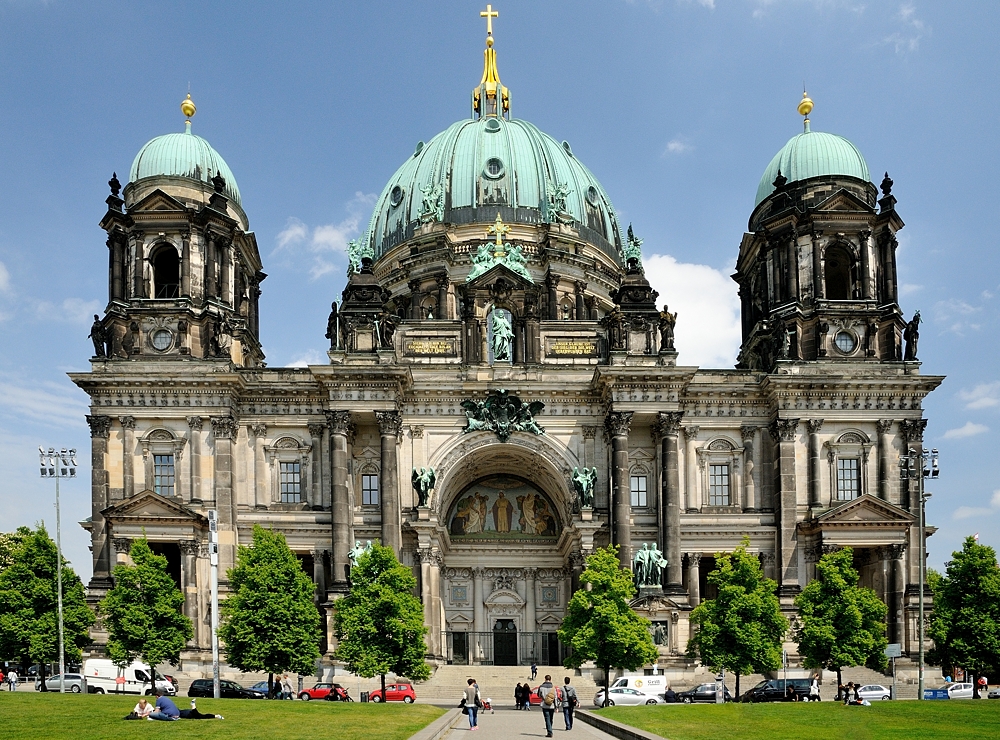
(677, 106)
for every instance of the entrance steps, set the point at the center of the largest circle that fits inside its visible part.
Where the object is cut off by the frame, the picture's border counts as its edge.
(904, 688)
(497, 682)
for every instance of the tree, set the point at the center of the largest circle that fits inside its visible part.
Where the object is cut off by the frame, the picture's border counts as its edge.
(142, 611)
(380, 623)
(29, 618)
(600, 625)
(270, 621)
(741, 630)
(966, 622)
(9, 542)
(841, 623)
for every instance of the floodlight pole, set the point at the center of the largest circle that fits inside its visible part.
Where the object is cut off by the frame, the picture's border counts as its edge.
(213, 556)
(58, 465)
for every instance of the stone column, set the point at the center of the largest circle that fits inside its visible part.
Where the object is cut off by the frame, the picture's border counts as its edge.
(581, 306)
(128, 455)
(617, 424)
(751, 467)
(444, 310)
(818, 277)
(195, 423)
(185, 287)
(815, 492)
(436, 634)
(122, 546)
(670, 424)
(340, 426)
(864, 247)
(784, 432)
(189, 579)
(415, 297)
(390, 426)
(577, 563)
(100, 430)
(793, 265)
(883, 426)
(423, 557)
(518, 345)
(225, 291)
(913, 436)
(262, 495)
(138, 276)
(897, 617)
(690, 498)
(694, 578)
(316, 494)
(210, 279)
(530, 622)
(224, 431)
(552, 282)
(478, 602)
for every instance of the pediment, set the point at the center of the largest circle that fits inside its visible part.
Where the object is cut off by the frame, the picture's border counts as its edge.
(652, 604)
(459, 619)
(866, 509)
(549, 619)
(496, 272)
(506, 597)
(157, 201)
(843, 200)
(147, 505)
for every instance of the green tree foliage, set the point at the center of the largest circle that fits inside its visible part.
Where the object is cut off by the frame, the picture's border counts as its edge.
(600, 625)
(380, 623)
(740, 630)
(270, 621)
(142, 611)
(29, 619)
(966, 623)
(9, 542)
(841, 623)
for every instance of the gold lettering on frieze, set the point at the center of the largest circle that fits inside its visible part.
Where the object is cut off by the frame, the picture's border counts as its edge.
(577, 348)
(430, 347)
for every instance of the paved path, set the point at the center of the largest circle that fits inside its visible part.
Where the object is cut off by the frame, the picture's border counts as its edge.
(509, 723)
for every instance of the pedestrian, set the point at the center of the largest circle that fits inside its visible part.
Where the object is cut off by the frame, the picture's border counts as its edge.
(790, 694)
(286, 688)
(471, 699)
(534, 670)
(569, 703)
(814, 690)
(12, 679)
(550, 703)
(165, 708)
(670, 696)
(526, 697)
(857, 695)
(847, 693)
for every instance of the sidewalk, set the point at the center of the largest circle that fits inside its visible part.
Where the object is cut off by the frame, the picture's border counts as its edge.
(509, 723)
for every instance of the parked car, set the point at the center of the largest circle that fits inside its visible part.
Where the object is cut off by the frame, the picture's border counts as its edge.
(875, 692)
(960, 691)
(702, 693)
(993, 693)
(202, 687)
(394, 692)
(622, 696)
(319, 691)
(104, 677)
(172, 680)
(775, 689)
(74, 683)
(259, 688)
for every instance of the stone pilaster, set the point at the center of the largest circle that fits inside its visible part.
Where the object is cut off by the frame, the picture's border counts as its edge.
(670, 507)
(815, 492)
(694, 578)
(883, 426)
(751, 477)
(390, 425)
(195, 487)
(100, 430)
(340, 427)
(530, 621)
(128, 455)
(784, 433)
(617, 425)
(224, 431)
(316, 461)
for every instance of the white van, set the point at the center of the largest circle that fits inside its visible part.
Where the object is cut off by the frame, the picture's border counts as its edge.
(104, 677)
(649, 685)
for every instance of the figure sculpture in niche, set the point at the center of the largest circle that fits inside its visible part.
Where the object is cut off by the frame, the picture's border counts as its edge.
(423, 483)
(503, 336)
(910, 335)
(667, 322)
(584, 480)
(614, 323)
(99, 335)
(221, 338)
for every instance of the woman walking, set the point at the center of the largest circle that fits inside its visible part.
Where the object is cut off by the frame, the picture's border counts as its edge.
(472, 701)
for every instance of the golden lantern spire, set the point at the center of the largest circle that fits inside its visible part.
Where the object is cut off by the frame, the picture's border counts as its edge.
(805, 108)
(490, 98)
(188, 108)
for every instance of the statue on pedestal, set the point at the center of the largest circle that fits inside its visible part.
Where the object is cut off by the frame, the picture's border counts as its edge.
(503, 336)
(648, 565)
(423, 483)
(583, 482)
(910, 335)
(667, 322)
(99, 335)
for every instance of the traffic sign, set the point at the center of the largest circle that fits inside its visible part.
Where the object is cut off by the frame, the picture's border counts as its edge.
(894, 650)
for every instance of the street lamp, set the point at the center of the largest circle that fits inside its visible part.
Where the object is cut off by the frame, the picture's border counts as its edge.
(61, 464)
(916, 465)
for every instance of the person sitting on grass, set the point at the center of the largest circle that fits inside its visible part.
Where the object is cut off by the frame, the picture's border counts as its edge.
(143, 709)
(790, 694)
(193, 713)
(165, 708)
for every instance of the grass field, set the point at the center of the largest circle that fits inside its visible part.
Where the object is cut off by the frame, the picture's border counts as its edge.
(31, 715)
(906, 720)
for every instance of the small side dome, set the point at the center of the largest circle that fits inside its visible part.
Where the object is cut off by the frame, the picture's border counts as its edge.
(813, 154)
(183, 155)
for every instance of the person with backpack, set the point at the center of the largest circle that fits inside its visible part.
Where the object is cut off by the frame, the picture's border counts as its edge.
(471, 703)
(569, 703)
(550, 703)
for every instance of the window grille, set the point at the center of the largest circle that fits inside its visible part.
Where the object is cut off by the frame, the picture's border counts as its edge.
(369, 490)
(291, 482)
(718, 485)
(848, 478)
(637, 486)
(163, 474)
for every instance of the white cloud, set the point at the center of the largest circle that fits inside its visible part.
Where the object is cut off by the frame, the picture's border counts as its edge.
(677, 145)
(968, 512)
(983, 396)
(326, 240)
(309, 357)
(907, 38)
(707, 305)
(71, 310)
(970, 429)
(53, 404)
(909, 289)
(954, 315)
(4, 278)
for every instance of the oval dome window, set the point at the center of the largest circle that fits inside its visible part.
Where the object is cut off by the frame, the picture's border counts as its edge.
(592, 196)
(568, 148)
(396, 196)
(494, 168)
(492, 125)
(420, 148)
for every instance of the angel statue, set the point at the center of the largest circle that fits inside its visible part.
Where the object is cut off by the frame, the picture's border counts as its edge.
(583, 481)
(356, 552)
(423, 483)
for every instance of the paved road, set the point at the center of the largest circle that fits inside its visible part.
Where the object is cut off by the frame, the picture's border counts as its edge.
(508, 723)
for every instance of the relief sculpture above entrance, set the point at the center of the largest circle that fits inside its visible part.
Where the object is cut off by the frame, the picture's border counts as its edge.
(502, 507)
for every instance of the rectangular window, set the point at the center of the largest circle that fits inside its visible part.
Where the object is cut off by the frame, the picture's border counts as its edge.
(369, 490)
(848, 478)
(718, 485)
(163, 474)
(291, 482)
(637, 486)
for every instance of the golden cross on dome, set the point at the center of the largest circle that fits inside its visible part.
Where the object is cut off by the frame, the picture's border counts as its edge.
(500, 229)
(489, 14)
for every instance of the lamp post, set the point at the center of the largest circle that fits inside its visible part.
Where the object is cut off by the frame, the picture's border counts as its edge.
(61, 464)
(916, 465)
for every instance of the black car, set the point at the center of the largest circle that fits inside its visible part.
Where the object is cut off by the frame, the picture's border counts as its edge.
(702, 693)
(776, 689)
(202, 687)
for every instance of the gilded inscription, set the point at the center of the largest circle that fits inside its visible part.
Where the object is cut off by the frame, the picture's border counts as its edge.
(572, 347)
(430, 347)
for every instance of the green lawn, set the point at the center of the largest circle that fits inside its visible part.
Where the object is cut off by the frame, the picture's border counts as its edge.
(31, 715)
(909, 720)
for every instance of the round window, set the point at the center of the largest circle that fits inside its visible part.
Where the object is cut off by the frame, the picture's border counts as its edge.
(494, 168)
(396, 196)
(162, 339)
(492, 125)
(845, 342)
(592, 196)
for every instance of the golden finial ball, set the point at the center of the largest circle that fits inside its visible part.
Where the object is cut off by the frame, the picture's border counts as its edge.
(805, 105)
(187, 107)
(489, 42)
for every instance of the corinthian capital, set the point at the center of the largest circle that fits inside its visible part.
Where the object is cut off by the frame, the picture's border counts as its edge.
(100, 426)
(617, 423)
(783, 430)
(224, 427)
(670, 422)
(913, 429)
(340, 422)
(127, 422)
(389, 423)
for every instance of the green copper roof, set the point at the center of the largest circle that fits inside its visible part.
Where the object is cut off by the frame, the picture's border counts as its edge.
(476, 167)
(813, 154)
(183, 155)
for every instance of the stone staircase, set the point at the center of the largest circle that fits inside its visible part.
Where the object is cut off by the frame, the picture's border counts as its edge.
(497, 682)
(904, 689)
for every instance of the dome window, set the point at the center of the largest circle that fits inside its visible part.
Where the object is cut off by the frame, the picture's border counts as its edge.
(162, 340)
(420, 148)
(166, 272)
(592, 196)
(845, 342)
(492, 125)
(494, 168)
(568, 148)
(396, 196)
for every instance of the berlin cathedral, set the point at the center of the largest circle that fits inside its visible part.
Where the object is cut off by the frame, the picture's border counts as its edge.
(502, 394)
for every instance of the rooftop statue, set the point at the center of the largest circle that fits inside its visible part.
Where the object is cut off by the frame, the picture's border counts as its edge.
(357, 250)
(499, 252)
(911, 334)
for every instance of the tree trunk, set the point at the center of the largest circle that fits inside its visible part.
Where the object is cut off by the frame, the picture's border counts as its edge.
(270, 685)
(383, 688)
(607, 696)
(737, 696)
(840, 683)
(41, 669)
(975, 687)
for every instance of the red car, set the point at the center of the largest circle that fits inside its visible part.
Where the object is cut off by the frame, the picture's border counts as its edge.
(394, 692)
(319, 691)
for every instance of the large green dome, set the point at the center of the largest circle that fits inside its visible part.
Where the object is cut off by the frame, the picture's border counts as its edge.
(183, 155)
(813, 154)
(479, 167)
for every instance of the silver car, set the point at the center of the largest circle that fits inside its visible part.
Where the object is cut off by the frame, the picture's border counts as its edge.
(74, 683)
(624, 697)
(960, 691)
(875, 692)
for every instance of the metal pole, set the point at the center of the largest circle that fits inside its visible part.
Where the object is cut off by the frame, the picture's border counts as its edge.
(213, 534)
(920, 597)
(62, 653)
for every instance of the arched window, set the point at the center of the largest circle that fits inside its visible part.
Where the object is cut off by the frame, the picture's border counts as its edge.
(166, 273)
(838, 268)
